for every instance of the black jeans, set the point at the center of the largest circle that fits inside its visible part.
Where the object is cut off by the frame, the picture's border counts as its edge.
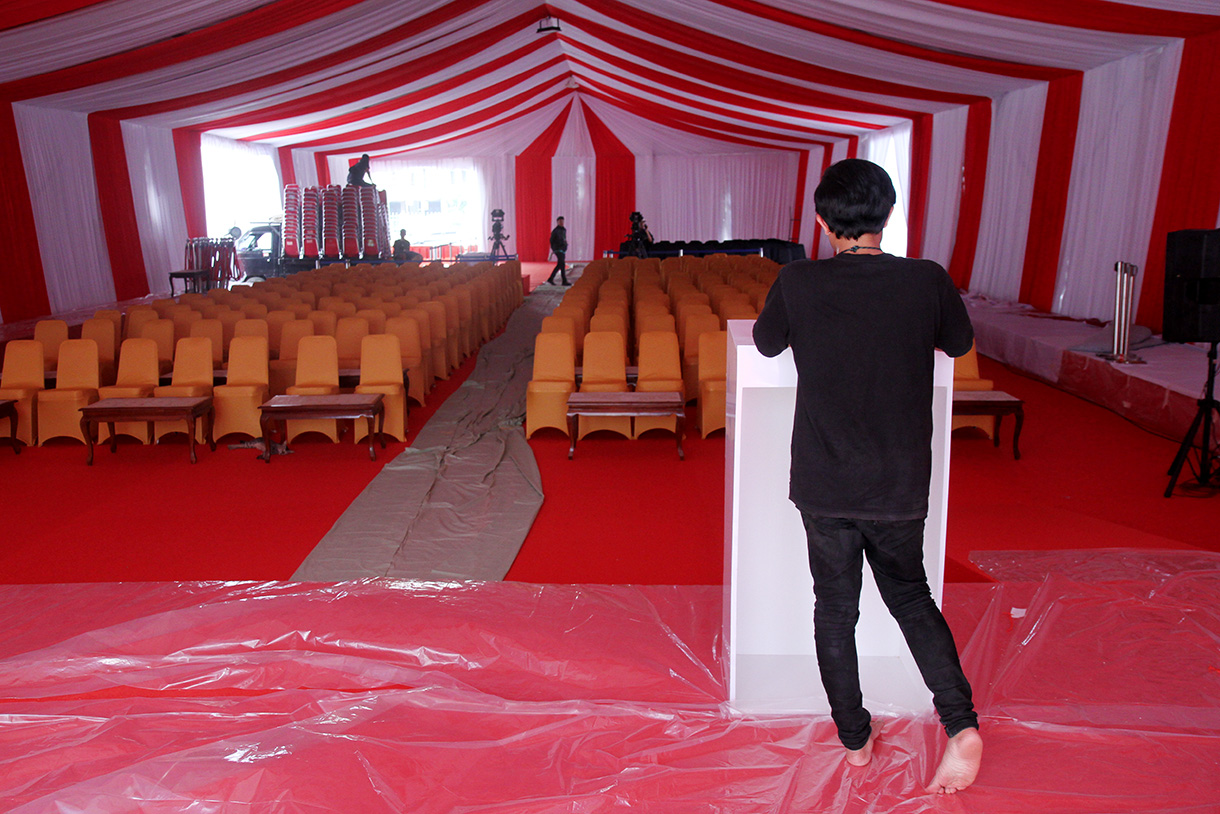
(837, 547)
(561, 266)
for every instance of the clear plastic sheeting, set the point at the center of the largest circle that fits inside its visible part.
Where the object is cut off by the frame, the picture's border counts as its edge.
(459, 502)
(393, 696)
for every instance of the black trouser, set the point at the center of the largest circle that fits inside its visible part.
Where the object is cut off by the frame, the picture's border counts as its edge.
(837, 547)
(560, 267)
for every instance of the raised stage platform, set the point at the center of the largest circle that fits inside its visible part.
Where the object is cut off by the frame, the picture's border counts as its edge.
(1160, 395)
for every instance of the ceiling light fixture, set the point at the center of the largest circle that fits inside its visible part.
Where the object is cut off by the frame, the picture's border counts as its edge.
(548, 24)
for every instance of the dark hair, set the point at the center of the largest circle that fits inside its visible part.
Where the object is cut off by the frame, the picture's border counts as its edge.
(854, 198)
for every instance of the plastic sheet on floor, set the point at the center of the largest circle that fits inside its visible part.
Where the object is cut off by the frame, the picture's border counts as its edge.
(1097, 683)
(459, 502)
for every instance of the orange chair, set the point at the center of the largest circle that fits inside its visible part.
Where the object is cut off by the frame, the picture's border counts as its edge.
(381, 372)
(317, 374)
(605, 371)
(183, 316)
(238, 399)
(660, 372)
(349, 333)
(192, 378)
(375, 317)
(554, 379)
(116, 318)
(214, 330)
(161, 331)
(696, 325)
(283, 369)
(424, 320)
(22, 378)
(407, 331)
(51, 333)
(101, 331)
(137, 316)
(323, 322)
(76, 384)
(966, 377)
(713, 385)
(138, 375)
(438, 324)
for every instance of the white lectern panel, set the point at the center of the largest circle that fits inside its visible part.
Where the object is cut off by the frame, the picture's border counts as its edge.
(768, 600)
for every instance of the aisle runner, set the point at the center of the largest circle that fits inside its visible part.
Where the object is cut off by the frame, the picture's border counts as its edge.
(458, 504)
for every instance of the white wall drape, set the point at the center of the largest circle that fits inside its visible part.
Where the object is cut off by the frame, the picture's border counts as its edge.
(63, 192)
(945, 184)
(157, 197)
(573, 185)
(1116, 171)
(1012, 161)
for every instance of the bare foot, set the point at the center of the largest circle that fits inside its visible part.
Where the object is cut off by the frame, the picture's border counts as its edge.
(863, 755)
(960, 763)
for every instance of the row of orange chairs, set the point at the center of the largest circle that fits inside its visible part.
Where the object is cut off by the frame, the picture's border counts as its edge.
(45, 414)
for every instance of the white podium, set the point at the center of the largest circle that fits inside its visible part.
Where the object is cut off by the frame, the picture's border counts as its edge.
(768, 592)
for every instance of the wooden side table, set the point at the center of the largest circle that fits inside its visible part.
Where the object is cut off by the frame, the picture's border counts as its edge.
(996, 403)
(150, 410)
(282, 408)
(626, 404)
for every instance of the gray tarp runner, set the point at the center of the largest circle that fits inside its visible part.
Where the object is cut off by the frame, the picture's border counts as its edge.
(459, 503)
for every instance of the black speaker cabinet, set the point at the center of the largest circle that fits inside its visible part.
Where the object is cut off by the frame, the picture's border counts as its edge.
(1192, 286)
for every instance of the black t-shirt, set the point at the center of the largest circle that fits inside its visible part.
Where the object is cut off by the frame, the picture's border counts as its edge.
(863, 329)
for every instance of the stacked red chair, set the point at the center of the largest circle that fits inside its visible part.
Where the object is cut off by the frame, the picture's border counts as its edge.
(350, 220)
(310, 202)
(292, 221)
(368, 223)
(330, 221)
(383, 223)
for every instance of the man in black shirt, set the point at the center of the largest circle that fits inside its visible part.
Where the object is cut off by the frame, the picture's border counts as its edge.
(863, 327)
(356, 174)
(402, 250)
(559, 245)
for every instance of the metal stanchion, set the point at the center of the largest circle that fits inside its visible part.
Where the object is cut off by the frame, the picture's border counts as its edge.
(1124, 294)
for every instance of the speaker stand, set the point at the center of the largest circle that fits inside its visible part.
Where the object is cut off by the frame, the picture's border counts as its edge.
(1203, 418)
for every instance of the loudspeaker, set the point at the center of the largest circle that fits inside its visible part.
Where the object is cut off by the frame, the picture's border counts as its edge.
(1192, 286)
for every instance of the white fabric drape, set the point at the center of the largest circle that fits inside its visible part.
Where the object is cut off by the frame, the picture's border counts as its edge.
(717, 197)
(241, 183)
(891, 149)
(63, 192)
(157, 196)
(809, 233)
(944, 184)
(573, 184)
(1116, 172)
(1012, 162)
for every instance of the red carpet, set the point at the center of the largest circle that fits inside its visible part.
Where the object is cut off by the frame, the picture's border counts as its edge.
(146, 514)
(631, 512)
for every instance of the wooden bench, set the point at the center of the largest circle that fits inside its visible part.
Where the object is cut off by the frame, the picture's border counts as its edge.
(8, 409)
(992, 402)
(626, 404)
(353, 406)
(150, 410)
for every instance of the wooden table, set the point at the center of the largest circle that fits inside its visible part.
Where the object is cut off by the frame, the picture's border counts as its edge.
(150, 410)
(8, 409)
(195, 280)
(626, 404)
(353, 406)
(992, 402)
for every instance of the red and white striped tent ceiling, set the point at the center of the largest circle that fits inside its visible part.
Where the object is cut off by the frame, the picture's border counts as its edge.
(1046, 139)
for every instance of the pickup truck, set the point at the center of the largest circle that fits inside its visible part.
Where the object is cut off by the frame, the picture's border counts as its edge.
(260, 253)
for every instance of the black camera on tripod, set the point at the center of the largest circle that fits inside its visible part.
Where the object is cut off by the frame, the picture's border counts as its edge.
(639, 238)
(498, 235)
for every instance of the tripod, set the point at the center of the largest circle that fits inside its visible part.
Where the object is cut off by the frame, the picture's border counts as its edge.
(1207, 406)
(497, 245)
